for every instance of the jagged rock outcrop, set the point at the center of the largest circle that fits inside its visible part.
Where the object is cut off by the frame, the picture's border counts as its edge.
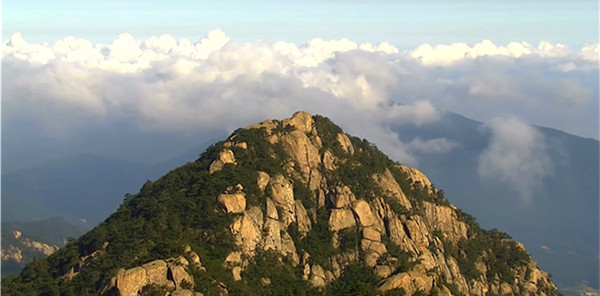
(282, 191)
(340, 197)
(301, 121)
(390, 187)
(232, 203)
(341, 219)
(445, 219)
(411, 282)
(318, 206)
(304, 224)
(170, 274)
(363, 211)
(417, 178)
(345, 143)
(226, 156)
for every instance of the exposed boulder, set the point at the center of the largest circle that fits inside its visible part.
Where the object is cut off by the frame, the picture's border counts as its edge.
(130, 282)
(363, 211)
(232, 203)
(236, 273)
(395, 228)
(268, 125)
(282, 192)
(383, 271)
(272, 235)
(234, 258)
(304, 224)
(156, 272)
(390, 187)
(271, 210)
(194, 258)
(328, 160)
(317, 278)
(445, 219)
(417, 178)
(179, 275)
(263, 180)
(418, 232)
(371, 258)
(345, 143)
(302, 151)
(170, 274)
(377, 247)
(306, 272)
(288, 247)
(230, 144)
(341, 219)
(411, 282)
(371, 234)
(340, 197)
(249, 232)
(226, 156)
(301, 120)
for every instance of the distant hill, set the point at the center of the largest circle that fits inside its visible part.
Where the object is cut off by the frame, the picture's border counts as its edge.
(74, 188)
(559, 226)
(23, 241)
(287, 207)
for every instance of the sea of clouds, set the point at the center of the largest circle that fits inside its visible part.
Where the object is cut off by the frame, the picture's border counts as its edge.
(164, 85)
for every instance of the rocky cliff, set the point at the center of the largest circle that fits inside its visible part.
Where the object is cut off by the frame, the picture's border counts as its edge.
(289, 207)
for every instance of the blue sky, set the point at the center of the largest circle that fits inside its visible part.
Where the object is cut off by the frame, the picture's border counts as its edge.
(405, 24)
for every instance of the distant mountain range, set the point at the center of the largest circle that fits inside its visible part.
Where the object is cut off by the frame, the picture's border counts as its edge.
(559, 225)
(75, 187)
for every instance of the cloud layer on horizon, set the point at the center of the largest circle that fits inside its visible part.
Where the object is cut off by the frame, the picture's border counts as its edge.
(165, 85)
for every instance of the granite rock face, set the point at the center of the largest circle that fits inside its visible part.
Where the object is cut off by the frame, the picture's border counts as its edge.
(342, 193)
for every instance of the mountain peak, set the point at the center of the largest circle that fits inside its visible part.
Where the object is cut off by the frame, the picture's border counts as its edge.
(292, 206)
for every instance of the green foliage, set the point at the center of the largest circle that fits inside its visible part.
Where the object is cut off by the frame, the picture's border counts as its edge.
(473, 227)
(358, 169)
(395, 292)
(153, 290)
(396, 206)
(303, 193)
(328, 132)
(356, 279)
(319, 241)
(495, 249)
(284, 277)
(453, 289)
(180, 209)
(260, 155)
(34, 280)
(349, 239)
(404, 262)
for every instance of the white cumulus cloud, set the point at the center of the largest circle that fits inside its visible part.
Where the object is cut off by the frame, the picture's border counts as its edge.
(162, 84)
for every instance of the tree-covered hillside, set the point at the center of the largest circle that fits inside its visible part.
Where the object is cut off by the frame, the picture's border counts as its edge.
(287, 207)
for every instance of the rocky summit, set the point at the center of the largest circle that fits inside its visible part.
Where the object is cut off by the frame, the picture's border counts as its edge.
(287, 207)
